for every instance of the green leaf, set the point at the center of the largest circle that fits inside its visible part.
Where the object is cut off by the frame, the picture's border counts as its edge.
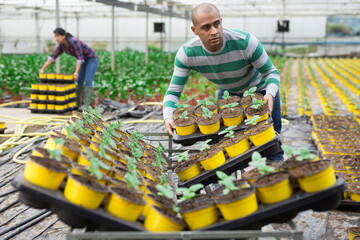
(226, 95)
(196, 187)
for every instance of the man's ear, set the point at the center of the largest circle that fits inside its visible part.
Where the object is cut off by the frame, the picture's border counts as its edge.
(194, 30)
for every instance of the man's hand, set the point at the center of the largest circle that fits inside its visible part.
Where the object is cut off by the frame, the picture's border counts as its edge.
(76, 75)
(269, 100)
(169, 125)
(42, 71)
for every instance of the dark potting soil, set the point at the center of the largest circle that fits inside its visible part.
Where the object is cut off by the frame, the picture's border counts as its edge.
(251, 174)
(90, 183)
(202, 120)
(155, 169)
(228, 113)
(248, 99)
(182, 122)
(128, 195)
(234, 195)
(108, 151)
(292, 163)
(184, 165)
(310, 168)
(196, 203)
(260, 111)
(150, 181)
(218, 191)
(260, 128)
(178, 112)
(270, 179)
(209, 153)
(152, 189)
(199, 109)
(231, 99)
(50, 164)
(169, 215)
(233, 140)
(355, 230)
(120, 164)
(154, 174)
(83, 169)
(166, 202)
(122, 184)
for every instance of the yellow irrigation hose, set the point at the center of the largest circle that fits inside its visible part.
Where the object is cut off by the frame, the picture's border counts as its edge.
(17, 102)
(146, 103)
(284, 121)
(21, 151)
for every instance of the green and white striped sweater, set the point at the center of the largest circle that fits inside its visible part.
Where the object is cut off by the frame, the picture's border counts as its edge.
(238, 65)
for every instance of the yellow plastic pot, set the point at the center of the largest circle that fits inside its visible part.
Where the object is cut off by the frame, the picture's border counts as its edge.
(82, 160)
(41, 106)
(103, 180)
(262, 137)
(35, 86)
(52, 87)
(50, 106)
(51, 97)
(239, 208)
(33, 105)
(234, 121)
(198, 114)
(201, 218)
(213, 162)
(262, 117)
(68, 76)
(318, 181)
(59, 107)
(274, 193)
(185, 130)
(33, 96)
(238, 148)
(150, 203)
(355, 197)
(59, 76)
(78, 193)
(157, 222)
(352, 234)
(123, 208)
(210, 128)
(42, 97)
(42, 75)
(51, 75)
(189, 172)
(60, 98)
(43, 87)
(38, 174)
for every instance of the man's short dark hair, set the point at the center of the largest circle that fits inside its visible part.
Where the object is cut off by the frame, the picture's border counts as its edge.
(204, 7)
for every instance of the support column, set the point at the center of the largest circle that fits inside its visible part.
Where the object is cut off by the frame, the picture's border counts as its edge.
(77, 26)
(112, 38)
(57, 25)
(169, 41)
(147, 39)
(37, 29)
(186, 26)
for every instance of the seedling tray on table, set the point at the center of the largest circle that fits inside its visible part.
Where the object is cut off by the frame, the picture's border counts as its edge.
(236, 163)
(79, 217)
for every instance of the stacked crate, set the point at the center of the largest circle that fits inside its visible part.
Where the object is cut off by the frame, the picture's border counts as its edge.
(56, 93)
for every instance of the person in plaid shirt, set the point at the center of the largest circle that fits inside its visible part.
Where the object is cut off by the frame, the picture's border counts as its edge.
(87, 63)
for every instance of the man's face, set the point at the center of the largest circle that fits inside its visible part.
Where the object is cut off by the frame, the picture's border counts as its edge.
(208, 26)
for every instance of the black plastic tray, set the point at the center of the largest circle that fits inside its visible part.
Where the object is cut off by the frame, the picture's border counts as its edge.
(71, 214)
(232, 164)
(79, 217)
(286, 210)
(349, 205)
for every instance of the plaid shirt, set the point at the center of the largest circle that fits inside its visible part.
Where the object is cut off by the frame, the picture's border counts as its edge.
(76, 48)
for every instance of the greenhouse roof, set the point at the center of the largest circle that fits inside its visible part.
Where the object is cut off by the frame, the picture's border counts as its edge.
(178, 8)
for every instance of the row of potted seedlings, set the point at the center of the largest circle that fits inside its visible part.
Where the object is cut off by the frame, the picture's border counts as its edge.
(304, 104)
(285, 87)
(352, 103)
(206, 116)
(337, 139)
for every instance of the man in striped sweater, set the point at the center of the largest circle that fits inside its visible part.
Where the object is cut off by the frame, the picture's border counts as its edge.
(232, 59)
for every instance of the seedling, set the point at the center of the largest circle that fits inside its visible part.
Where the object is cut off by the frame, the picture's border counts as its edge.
(260, 163)
(111, 129)
(250, 92)
(95, 164)
(184, 115)
(163, 178)
(136, 149)
(165, 191)
(132, 180)
(204, 145)
(229, 132)
(102, 152)
(95, 113)
(79, 126)
(56, 153)
(253, 120)
(189, 193)
(227, 181)
(226, 95)
(108, 139)
(87, 118)
(182, 106)
(257, 103)
(231, 106)
(161, 148)
(301, 155)
(183, 157)
(70, 132)
(159, 161)
(207, 112)
(205, 102)
(136, 134)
